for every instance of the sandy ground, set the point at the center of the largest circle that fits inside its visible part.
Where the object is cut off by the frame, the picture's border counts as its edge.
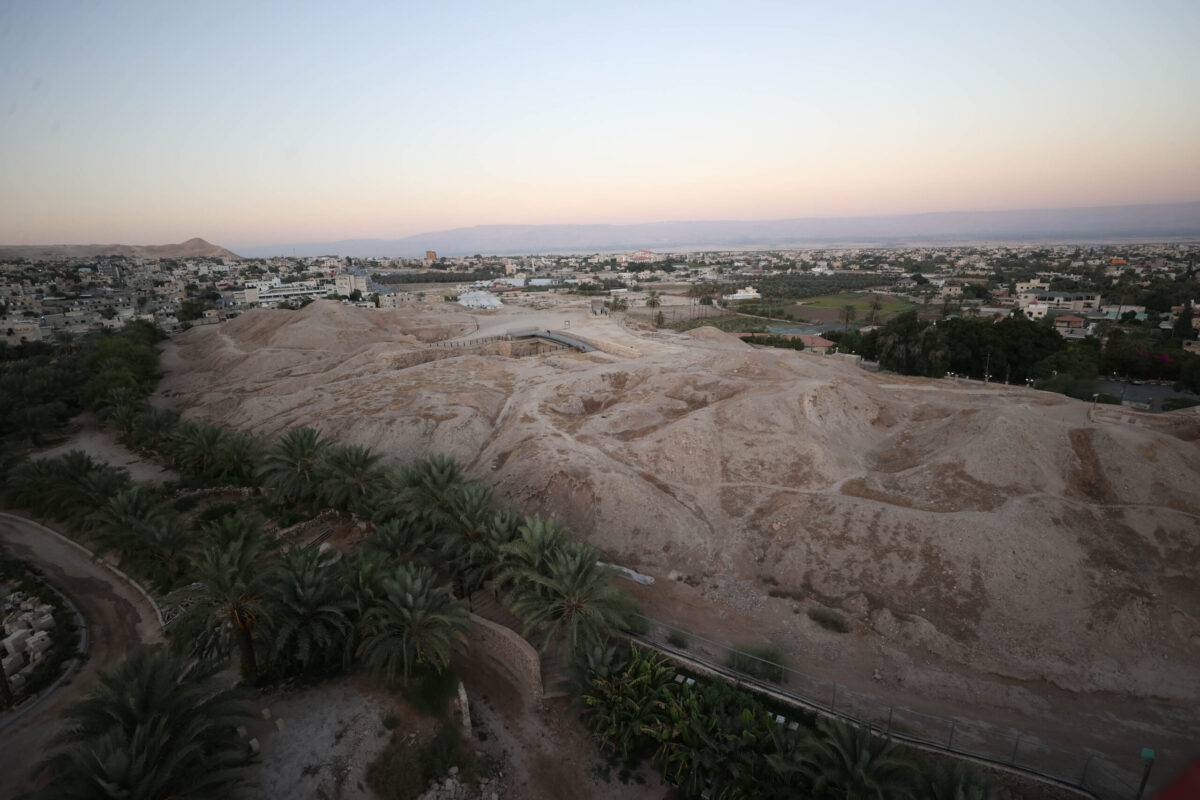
(995, 550)
(102, 445)
(118, 619)
(319, 741)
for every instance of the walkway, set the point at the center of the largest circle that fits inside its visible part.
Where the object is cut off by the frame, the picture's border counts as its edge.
(118, 618)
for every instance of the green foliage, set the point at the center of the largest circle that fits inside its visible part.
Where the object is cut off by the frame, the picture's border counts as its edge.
(145, 531)
(766, 662)
(308, 613)
(431, 690)
(678, 639)
(798, 285)
(154, 727)
(829, 619)
(348, 475)
(413, 623)
(573, 599)
(844, 760)
(67, 489)
(624, 709)
(291, 469)
(403, 771)
(224, 604)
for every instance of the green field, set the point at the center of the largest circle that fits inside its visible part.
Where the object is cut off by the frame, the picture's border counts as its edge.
(891, 305)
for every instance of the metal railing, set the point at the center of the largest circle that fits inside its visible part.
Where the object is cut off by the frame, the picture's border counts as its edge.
(1018, 750)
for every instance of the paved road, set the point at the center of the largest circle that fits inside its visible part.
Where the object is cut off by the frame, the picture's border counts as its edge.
(118, 618)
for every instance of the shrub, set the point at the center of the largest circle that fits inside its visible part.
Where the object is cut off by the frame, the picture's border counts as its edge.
(404, 770)
(829, 619)
(430, 692)
(764, 662)
(677, 638)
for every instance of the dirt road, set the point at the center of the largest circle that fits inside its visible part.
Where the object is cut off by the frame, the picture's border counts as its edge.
(118, 618)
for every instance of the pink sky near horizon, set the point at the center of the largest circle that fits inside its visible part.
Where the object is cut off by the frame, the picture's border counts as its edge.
(144, 123)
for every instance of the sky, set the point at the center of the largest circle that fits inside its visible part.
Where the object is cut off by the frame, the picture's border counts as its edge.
(253, 123)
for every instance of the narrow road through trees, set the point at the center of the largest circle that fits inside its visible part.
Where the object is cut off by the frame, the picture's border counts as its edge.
(118, 617)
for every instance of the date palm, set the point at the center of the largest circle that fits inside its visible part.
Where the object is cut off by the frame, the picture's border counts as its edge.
(529, 553)
(222, 609)
(873, 308)
(138, 525)
(349, 474)
(850, 762)
(309, 610)
(198, 449)
(574, 600)
(429, 487)
(413, 624)
(238, 459)
(653, 300)
(153, 428)
(955, 782)
(467, 546)
(849, 312)
(156, 727)
(291, 468)
(403, 539)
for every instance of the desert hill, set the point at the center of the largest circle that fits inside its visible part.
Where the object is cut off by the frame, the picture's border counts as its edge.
(192, 248)
(1001, 528)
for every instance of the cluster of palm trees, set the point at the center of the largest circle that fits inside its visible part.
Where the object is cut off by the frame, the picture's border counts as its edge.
(709, 739)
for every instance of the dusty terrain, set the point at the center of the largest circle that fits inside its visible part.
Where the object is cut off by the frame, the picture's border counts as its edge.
(997, 532)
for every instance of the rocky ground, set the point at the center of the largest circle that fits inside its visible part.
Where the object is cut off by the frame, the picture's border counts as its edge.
(1003, 538)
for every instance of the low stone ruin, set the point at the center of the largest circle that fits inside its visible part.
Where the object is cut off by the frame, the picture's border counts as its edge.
(28, 634)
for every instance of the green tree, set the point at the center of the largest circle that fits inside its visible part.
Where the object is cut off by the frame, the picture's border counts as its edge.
(574, 599)
(623, 710)
(849, 312)
(155, 727)
(413, 624)
(138, 525)
(223, 607)
(653, 299)
(348, 475)
(849, 761)
(308, 611)
(291, 469)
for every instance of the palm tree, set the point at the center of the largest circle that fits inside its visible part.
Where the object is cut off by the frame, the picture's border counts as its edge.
(291, 468)
(429, 486)
(198, 449)
(955, 781)
(401, 539)
(308, 608)
(226, 602)
(145, 532)
(29, 484)
(153, 428)
(468, 548)
(849, 312)
(155, 727)
(349, 474)
(653, 300)
(413, 624)
(849, 761)
(873, 308)
(573, 599)
(238, 459)
(529, 553)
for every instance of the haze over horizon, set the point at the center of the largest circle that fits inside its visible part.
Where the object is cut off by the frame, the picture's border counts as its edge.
(145, 123)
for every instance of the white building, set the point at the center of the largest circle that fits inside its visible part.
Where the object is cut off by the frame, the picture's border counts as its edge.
(347, 283)
(482, 300)
(747, 293)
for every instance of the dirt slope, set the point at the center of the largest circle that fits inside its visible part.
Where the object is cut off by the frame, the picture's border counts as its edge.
(995, 527)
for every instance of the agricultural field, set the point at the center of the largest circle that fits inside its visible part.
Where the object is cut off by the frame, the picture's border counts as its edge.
(828, 307)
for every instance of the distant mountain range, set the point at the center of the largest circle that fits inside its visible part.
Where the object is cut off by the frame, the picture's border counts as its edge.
(1082, 225)
(192, 248)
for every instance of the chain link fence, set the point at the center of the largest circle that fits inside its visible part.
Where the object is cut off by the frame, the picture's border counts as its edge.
(1005, 747)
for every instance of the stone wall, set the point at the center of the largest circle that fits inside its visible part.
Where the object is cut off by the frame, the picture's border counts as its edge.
(501, 653)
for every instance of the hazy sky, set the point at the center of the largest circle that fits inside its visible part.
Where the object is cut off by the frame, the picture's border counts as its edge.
(259, 122)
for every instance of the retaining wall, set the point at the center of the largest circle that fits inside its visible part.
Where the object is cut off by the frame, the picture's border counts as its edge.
(502, 652)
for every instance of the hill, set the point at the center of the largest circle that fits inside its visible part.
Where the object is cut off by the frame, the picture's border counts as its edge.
(192, 248)
(1093, 224)
(1000, 528)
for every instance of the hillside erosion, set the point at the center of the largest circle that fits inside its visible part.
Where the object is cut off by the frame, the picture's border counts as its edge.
(991, 526)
